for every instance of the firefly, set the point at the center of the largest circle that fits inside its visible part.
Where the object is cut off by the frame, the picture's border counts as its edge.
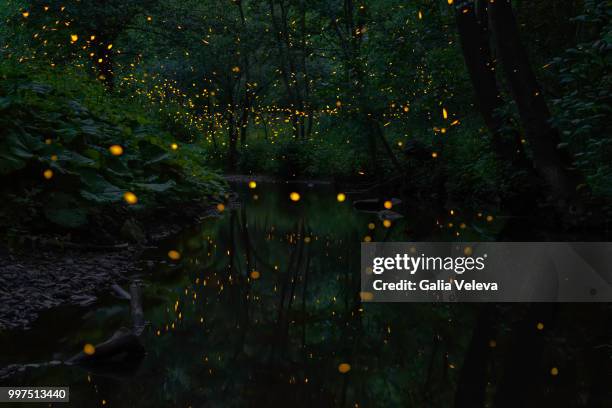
(89, 349)
(130, 197)
(174, 255)
(116, 150)
(344, 368)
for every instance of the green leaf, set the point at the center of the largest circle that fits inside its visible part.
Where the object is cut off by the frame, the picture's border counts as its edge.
(156, 187)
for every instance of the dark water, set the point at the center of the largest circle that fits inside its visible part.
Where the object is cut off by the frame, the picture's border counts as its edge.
(219, 337)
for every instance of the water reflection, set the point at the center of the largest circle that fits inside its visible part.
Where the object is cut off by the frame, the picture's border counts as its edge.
(262, 308)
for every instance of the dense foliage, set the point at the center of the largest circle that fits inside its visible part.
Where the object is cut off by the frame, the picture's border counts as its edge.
(358, 90)
(59, 157)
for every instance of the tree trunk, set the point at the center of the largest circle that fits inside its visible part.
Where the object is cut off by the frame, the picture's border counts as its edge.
(474, 38)
(552, 163)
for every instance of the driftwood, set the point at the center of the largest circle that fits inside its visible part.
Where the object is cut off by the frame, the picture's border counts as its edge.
(138, 321)
(123, 347)
(120, 292)
(125, 343)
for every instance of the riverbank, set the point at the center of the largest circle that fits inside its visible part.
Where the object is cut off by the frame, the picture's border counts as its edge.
(46, 272)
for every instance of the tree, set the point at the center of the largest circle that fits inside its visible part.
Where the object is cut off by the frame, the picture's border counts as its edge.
(551, 158)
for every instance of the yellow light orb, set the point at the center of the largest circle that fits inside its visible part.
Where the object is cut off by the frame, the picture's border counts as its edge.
(25, 14)
(74, 37)
(492, 343)
(388, 204)
(344, 368)
(130, 197)
(116, 150)
(554, 371)
(468, 251)
(48, 141)
(48, 174)
(174, 146)
(307, 239)
(174, 255)
(489, 218)
(540, 326)
(252, 184)
(371, 226)
(341, 197)
(255, 275)
(220, 207)
(434, 155)
(294, 196)
(54, 157)
(386, 223)
(89, 349)
(365, 296)
(367, 238)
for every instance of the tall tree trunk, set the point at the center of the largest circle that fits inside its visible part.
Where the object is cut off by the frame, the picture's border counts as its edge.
(551, 162)
(474, 38)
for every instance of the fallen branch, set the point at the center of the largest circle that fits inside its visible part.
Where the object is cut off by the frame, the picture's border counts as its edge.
(124, 345)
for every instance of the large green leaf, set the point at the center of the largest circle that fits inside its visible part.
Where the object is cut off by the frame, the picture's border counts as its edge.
(156, 187)
(104, 197)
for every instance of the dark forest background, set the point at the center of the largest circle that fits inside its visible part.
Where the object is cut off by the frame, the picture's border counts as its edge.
(462, 102)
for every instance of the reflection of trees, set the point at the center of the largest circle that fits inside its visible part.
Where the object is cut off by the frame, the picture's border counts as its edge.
(280, 338)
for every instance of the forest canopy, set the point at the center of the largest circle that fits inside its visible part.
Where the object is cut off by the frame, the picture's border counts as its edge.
(349, 90)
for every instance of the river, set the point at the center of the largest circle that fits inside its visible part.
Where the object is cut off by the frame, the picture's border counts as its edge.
(263, 309)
